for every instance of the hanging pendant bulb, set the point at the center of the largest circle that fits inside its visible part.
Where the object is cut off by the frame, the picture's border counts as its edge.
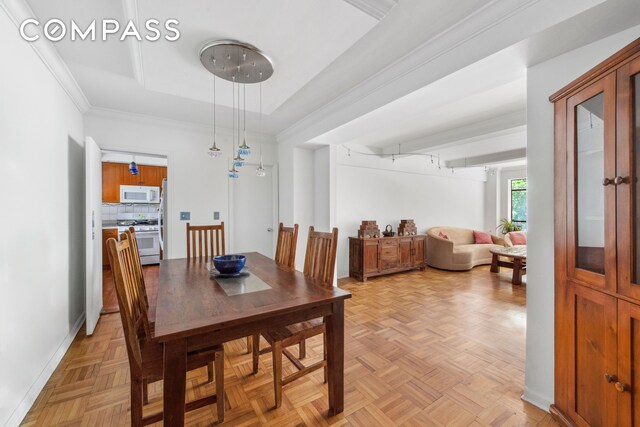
(261, 171)
(214, 151)
(133, 167)
(244, 148)
(238, 161)
(233, 173)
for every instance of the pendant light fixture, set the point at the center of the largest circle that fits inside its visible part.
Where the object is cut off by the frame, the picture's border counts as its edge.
(261, 171)
(238, 161)
(133, 167)
(233, 172)
(241, 64)
(214, 151)
(244, 148)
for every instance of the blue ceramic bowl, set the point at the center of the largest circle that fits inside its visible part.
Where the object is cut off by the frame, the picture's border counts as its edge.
(229, 264)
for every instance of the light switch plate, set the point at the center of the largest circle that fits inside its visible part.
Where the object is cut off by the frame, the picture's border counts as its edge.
(185, 216)
(216, 216)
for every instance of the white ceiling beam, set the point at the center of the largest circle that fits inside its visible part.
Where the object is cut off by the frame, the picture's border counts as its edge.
(501, 125)
(488, 159)
(130, 9)
(491, 28)
(377, 9)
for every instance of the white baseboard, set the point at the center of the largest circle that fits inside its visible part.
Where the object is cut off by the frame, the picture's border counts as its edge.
(29, 399)
(536, 399)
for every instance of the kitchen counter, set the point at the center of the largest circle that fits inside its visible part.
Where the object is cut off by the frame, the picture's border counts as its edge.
(109, 224)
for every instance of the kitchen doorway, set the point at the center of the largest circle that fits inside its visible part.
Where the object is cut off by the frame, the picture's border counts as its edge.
(133, 195)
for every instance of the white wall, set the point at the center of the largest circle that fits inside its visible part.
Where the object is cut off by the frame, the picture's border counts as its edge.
(197, 183)
(492, 201)
(377, 189)
(303, 198)
(42, 245)
(542, 80)
(322, 188)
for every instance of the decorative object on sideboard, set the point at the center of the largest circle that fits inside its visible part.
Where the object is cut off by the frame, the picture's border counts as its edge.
(368, 230)
(388, 231)
(241, 64)
(407, 228)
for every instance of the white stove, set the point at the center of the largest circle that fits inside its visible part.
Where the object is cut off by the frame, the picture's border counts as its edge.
(147, 233)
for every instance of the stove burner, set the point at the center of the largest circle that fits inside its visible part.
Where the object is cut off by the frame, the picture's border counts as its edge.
(130, 222)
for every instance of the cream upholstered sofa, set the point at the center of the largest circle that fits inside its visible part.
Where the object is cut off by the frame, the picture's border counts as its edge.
(507, 238)
(458, 252)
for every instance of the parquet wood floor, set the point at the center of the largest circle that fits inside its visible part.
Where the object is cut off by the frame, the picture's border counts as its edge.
(428, 348)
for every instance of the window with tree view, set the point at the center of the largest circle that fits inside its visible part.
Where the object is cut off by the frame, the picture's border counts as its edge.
(518, 192)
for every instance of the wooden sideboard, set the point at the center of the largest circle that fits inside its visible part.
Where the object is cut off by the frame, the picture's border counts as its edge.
(385, 255)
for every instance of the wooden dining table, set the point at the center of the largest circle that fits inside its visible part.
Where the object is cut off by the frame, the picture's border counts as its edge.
(192, 307)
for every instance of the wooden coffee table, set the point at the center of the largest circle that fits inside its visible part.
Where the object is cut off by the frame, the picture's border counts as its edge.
(518, 261)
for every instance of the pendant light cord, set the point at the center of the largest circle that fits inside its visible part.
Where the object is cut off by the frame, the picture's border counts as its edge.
(214, 109)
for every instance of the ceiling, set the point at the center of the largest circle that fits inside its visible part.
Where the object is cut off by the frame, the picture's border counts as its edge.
(166, 78)
(426, 75)
(320, 48)
(478, 111)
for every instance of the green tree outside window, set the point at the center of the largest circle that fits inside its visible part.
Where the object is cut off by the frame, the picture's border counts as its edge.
(518, 192)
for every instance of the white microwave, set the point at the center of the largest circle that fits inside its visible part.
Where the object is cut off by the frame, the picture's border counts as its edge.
(139, 194)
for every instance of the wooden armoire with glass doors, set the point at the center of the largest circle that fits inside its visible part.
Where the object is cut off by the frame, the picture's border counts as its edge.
(597, 245)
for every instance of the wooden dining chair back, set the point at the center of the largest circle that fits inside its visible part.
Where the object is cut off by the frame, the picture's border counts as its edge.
(320, 258)
(205, 240)
(145, 355)
(133, 310)
(319, 264)
(130, 236)
(286, 246)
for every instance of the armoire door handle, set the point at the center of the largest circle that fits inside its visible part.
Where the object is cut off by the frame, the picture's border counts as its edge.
(621, 387)
(607, 181)
(621, 180)
(610, 378)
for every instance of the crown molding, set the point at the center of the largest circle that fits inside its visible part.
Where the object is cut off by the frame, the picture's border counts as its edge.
(377, 9)
(149, 120)
(130, 8)
(18, 11)
(408, 70)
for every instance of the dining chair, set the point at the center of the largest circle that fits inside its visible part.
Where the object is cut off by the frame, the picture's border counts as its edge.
(146, 357)
(205, 240)
(286, 257)
(286, 246)
(319, 264)
(130, 236)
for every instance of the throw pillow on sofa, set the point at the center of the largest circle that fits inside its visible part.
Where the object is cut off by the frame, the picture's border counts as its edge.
(443, 236)
(518, 239)
(482, 238)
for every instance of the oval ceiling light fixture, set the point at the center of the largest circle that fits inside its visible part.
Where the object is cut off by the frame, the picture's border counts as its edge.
(240, 63)
(236, 61)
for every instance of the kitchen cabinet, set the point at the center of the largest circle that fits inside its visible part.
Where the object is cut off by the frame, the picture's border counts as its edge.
(107, 233)
(112, 177)
(116, 174)
(370, 257)
(597, 248)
